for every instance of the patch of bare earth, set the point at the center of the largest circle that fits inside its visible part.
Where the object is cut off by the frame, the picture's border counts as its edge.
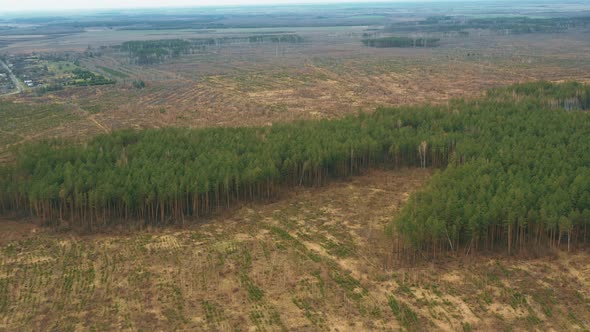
(11, 230)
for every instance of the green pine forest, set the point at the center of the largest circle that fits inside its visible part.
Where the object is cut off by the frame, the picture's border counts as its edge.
(513, 170)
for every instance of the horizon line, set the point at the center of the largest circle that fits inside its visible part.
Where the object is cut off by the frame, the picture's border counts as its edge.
(235, 5)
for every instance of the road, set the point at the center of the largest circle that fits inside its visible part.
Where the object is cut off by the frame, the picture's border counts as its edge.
(17, 83)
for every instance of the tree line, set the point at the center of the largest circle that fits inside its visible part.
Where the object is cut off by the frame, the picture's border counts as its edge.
(503, 25)
(514, 170)
(166, 175)
(385, 42)
(148, 52)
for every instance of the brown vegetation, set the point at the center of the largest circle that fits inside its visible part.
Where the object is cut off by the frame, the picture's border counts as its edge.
(332, 75)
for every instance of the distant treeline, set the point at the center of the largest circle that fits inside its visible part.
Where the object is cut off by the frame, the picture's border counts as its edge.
(401, 42)
(148, 22)
(48, 88)
(146, 52)
(87, 78)
(515, 170)
(283, 38)
(511, 25)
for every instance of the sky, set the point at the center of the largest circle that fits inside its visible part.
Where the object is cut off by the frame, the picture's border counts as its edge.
(43, 5)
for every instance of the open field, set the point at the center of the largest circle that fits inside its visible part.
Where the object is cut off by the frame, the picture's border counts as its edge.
(316, 260)
(225, 79)
(327, 76)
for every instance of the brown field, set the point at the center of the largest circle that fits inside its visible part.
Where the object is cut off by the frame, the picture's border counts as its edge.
(328, 76)
(316, 260)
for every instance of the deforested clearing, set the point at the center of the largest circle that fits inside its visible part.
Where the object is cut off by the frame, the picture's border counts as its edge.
(416, 166)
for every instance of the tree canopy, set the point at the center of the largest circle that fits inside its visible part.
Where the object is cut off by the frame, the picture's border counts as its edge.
(514, 169)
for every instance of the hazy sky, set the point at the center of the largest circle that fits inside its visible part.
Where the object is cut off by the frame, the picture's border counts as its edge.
(37, 5)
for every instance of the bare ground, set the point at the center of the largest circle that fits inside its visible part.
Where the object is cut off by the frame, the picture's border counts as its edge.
(326, 79)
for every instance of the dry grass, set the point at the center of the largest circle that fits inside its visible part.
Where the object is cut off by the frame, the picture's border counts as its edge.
(329, 76)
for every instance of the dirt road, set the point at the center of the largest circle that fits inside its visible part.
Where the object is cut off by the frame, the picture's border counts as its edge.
(17, 83)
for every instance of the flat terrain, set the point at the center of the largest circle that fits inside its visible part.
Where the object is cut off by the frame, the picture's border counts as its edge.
(317, 260)
(246, 85)
(235, 82)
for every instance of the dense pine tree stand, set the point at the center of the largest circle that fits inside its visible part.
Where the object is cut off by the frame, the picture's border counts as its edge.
(515, 170)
